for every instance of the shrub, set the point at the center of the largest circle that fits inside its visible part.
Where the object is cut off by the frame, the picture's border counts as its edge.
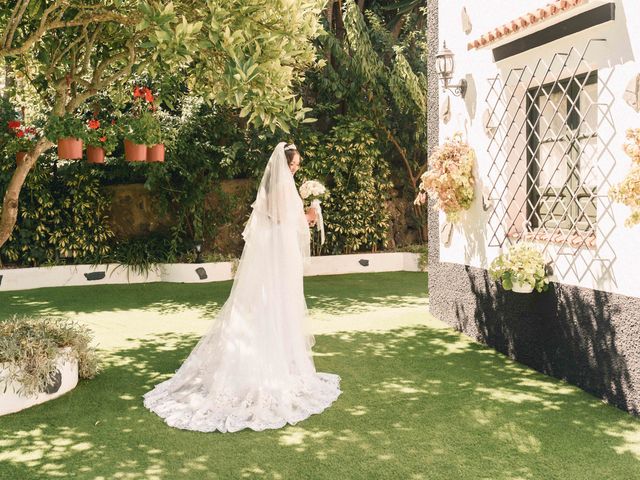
(348, 161)
(62, 214)
(29, 347)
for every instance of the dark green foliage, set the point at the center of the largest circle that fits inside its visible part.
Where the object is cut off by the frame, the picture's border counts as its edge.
(62, 216)
(349, 162)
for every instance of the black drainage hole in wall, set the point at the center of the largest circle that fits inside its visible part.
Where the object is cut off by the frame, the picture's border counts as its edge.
(202, 273)
(94, 276)
(0, 279)
(364, 263)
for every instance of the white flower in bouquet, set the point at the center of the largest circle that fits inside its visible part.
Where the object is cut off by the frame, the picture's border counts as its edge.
(312, 189)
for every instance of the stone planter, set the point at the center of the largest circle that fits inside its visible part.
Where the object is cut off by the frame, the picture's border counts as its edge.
(66, 378)
(522, 287)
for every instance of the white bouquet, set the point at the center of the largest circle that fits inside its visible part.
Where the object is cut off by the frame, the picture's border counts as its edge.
(314, 191)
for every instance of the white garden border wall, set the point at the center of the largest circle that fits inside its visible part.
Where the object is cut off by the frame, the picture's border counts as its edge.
(74, 275)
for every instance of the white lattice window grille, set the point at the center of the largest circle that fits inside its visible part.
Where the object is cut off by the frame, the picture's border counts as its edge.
(544, 149)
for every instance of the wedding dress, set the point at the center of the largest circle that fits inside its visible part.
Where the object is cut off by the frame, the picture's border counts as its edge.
(254, 367)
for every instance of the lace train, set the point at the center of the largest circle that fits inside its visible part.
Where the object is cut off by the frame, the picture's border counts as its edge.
(260, 409)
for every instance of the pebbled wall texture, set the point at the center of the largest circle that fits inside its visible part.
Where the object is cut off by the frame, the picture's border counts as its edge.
(586, 337)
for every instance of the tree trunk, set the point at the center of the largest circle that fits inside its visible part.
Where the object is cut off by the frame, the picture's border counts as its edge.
(8, 77)
(9, 214)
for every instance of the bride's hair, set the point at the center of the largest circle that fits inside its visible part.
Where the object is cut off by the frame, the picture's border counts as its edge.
(290, 151)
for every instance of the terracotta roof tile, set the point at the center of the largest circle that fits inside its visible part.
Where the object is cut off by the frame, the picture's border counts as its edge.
(524, 21)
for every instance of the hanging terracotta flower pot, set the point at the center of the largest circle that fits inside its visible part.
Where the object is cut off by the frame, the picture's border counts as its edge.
(155, 153)
(95, 154)
(69, 148)
(134, 152)
(20, 157)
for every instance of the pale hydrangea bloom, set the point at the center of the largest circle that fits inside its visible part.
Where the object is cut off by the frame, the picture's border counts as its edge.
(450, 179)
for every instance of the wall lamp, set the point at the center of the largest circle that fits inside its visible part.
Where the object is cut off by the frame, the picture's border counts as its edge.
(444, 67)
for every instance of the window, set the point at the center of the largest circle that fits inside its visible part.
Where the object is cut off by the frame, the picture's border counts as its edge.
(561, 151)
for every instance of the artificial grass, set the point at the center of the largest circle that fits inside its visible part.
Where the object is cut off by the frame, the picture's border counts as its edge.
(420, 400)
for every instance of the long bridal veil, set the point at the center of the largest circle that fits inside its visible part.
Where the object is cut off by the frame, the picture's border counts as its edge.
(254, 367)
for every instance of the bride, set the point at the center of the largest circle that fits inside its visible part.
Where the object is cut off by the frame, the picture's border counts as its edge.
(254, 368)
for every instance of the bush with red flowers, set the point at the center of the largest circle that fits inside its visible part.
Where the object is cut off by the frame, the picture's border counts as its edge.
(141, 127)
(21, 138)
(102, 134)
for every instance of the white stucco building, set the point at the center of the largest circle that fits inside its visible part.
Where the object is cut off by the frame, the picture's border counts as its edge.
(551, 89)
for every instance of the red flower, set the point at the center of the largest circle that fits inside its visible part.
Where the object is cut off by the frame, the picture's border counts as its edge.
(137, 92)
(31, 130)
(13, 124)
(148, 95)
(103, 139)
(19, 134)
(94, 124)
(113, 122)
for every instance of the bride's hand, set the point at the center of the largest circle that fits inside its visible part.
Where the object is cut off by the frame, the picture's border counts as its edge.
(312, 216)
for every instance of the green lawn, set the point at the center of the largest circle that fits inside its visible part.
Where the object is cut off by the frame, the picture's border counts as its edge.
(420, 400)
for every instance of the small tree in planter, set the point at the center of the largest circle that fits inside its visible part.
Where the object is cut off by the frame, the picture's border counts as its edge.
(101, 140)
(522, 269)
(450, 178)
(69, 133)
(21, 139)
(31, 352)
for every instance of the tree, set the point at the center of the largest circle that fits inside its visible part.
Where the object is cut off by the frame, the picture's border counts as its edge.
(246, 53)
(376, 69)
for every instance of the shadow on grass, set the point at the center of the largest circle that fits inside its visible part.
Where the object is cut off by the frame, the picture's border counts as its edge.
(417, 403)
(331, 294)
(576, 335)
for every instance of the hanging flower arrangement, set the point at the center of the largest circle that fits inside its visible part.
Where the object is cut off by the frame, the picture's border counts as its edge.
(69, 133)
(101, 139)
(628, 191)
(450, 179)
(21, 139)
(141, 130)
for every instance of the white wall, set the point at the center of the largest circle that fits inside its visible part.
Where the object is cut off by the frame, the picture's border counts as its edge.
(614, 265)
(74, 275)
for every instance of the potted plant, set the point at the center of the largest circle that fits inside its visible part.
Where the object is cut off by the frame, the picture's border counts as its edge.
(68, 132)
(522, 269)
(21, 139)
(141, 130)
(40, 359)
(155, 148)
(101, 140)
(450, 179)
